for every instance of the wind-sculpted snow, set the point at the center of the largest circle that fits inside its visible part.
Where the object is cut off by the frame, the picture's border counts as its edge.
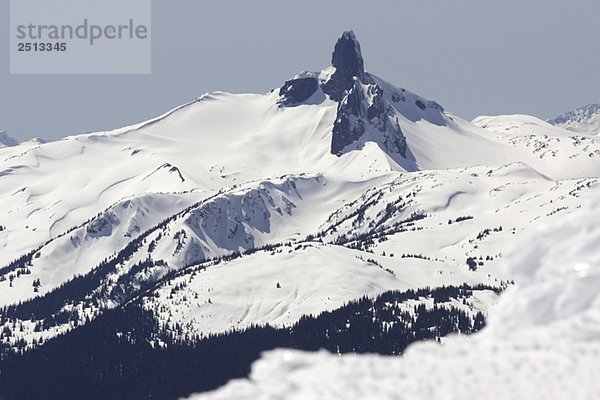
(542, 340)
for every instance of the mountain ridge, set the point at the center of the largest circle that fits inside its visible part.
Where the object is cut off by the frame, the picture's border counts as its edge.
(7, 141)
(584, 119)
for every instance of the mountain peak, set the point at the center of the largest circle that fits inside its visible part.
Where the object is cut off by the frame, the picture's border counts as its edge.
(368, 108)
(347, 57)
(349, 65)
(584, 119)
(7, 141)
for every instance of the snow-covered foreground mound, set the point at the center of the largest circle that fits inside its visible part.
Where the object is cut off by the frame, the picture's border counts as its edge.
(542, 340)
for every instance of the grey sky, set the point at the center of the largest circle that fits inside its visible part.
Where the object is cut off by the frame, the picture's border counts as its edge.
(474, 57)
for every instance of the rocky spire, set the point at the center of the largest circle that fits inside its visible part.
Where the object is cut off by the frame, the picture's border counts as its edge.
(347, 58)
(349, 65)
(357, 111)
(361, 106)
(348, 62)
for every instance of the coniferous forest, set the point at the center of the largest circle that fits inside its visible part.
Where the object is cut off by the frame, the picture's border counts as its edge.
(123, 355)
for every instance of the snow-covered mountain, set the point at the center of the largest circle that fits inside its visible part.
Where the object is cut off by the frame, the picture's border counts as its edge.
(7, 141)
(542, 339)
(584, 119)
(269, 216)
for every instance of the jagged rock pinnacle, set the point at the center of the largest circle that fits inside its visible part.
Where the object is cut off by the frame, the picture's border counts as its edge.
(349, 65)
(361, 102)
(347, 57)
(348, 62)
(358, 112)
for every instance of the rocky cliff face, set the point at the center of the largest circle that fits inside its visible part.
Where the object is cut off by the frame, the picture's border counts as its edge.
(364, 109)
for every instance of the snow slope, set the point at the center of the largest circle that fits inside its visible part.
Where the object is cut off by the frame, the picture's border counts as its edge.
(421, 229)
(542, 340)
(557, 151)
(225, 139)
(80, 250)
(50, 188)
(397, 231)
(428, 196)
(278, 287)
(249, 216)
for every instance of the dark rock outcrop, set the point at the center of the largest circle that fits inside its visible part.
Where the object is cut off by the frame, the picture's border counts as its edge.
(7, 141)
(362, 104)
(349, 65)
(298, 90)
(361, 101)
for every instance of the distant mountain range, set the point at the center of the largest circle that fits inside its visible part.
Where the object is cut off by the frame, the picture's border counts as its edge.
(585, 119)
(7, 141)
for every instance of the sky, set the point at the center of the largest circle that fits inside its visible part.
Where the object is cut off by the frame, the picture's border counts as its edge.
(475, 57)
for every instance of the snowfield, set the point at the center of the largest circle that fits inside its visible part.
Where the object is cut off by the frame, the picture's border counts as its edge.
(542, 340)
(196, 151)
(393, 232)
(552, 147)
(279, 287)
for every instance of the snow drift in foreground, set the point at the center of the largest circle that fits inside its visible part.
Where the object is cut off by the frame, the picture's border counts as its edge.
(542, 340)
